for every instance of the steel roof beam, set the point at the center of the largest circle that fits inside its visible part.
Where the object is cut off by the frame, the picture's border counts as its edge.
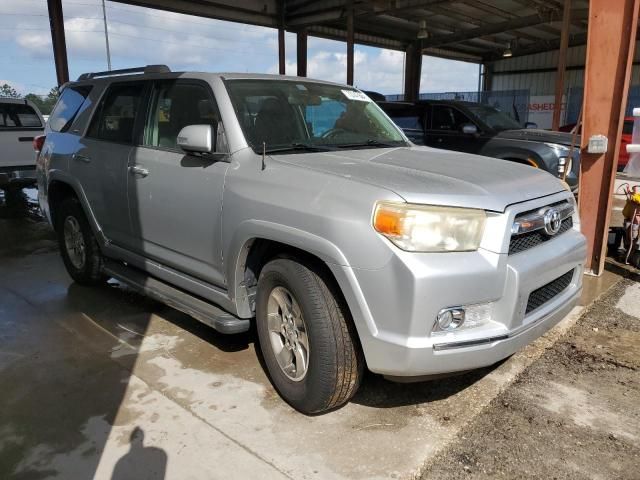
(494, 28)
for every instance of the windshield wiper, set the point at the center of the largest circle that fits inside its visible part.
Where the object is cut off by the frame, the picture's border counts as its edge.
(372, 143)
(298, 147)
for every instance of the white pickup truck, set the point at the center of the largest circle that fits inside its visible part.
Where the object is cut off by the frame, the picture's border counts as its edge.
(20, 123)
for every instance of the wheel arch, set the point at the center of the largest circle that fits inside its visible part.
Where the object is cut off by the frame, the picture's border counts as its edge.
(256, 242)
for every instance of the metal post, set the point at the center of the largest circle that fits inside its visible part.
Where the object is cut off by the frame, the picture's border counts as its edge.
(562, 64)
(301, 52)
(282, 61)
(412, 71)
(106, 35)
(56, 22)
(610, 49)
(350, 42)
(281, 52)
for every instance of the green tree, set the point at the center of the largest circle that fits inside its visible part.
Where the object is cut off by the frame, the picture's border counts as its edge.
(44, 103)
(7, 90)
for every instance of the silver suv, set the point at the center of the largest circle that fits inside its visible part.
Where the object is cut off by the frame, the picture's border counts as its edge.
(298, 206)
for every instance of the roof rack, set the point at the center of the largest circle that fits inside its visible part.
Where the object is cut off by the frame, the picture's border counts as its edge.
(125, 71)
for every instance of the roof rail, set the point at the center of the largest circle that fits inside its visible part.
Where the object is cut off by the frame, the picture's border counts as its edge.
(125, 71)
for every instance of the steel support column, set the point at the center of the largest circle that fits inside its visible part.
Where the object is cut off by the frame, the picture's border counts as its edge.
(350, 59)
(562, 64)
(412, 71)
(301, 52)
(610, 49)
(282, 61)
(282, 65)
(56, 22)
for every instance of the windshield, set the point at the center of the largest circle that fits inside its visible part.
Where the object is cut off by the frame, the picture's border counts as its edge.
(293, 116)
(494, 118)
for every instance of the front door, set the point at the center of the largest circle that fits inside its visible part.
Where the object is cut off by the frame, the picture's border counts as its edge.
(175, 199)
(445, 130)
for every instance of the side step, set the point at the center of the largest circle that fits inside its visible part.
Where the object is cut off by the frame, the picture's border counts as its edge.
(207, 313)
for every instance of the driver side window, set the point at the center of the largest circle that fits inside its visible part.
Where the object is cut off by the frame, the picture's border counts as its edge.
(174, 106)
(447, 118)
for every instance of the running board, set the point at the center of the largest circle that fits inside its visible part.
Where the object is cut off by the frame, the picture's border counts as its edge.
(206, 313)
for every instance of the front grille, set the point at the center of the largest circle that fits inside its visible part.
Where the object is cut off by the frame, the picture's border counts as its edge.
(525, 241)
(547, 292)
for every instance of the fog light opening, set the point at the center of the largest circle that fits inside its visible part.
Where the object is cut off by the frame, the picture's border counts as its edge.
(450, 318)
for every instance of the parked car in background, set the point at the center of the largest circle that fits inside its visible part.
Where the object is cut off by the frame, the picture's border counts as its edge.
(481, 129)
(20, 123)
(625, 139)
(299, 206)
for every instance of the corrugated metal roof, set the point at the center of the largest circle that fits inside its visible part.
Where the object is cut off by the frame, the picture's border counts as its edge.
(475, 30)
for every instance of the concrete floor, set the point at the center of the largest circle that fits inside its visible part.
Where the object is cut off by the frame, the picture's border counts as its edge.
(103, 383)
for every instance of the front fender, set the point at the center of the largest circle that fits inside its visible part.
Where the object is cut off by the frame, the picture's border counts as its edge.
(250, 230)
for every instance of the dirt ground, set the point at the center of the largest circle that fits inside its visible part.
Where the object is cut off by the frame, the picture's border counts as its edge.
(574, 413)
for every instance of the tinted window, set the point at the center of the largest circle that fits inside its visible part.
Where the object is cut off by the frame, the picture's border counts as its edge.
(67, 108)
(447, 118)
(175, 106)
(115, 117)
(18, 115)
(410, 122)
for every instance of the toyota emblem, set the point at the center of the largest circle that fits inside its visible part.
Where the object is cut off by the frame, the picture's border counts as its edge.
(552, 221)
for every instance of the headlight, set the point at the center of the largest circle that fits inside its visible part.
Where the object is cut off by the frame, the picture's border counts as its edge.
(426, 228)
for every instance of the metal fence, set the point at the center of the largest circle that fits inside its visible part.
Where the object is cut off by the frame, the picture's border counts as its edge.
(574, 102)
(512, 102)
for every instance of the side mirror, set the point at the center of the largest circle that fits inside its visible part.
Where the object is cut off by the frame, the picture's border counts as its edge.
(196, 139)
(469, 129)
(530, 125)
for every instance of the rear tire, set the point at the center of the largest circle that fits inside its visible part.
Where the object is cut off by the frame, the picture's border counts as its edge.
(78, 245)
(332, 360)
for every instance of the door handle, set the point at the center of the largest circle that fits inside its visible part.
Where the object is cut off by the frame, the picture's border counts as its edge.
(136, 170)
(82, 158)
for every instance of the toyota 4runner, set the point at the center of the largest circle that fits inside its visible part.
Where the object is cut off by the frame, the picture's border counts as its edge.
(299, 206)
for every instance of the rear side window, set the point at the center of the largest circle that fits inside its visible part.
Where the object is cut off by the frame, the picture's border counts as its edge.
(67, 108)
(17, 116)
(115, 116)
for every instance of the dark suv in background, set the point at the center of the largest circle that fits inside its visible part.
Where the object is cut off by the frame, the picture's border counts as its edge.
(481, 129)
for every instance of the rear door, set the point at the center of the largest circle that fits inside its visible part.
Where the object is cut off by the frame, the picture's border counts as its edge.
(100, 163)
(175, 198)
(19, 123)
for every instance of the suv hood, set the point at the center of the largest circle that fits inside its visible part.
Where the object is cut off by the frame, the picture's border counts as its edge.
(537, 135)
(437, 177)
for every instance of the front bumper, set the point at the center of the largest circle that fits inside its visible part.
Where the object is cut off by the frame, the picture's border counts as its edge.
(395, 307)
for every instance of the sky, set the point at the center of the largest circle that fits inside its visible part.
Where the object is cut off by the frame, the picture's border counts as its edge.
(140, 36)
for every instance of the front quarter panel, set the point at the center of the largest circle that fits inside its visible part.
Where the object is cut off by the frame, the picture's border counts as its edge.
(322, 214)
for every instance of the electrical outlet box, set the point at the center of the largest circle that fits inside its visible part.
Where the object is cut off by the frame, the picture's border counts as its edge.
(598, 144)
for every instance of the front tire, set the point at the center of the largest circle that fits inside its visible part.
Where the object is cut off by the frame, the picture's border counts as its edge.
(80, 251)
(306, 337)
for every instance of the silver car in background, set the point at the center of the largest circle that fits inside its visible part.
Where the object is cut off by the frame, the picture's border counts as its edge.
(299, 206)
